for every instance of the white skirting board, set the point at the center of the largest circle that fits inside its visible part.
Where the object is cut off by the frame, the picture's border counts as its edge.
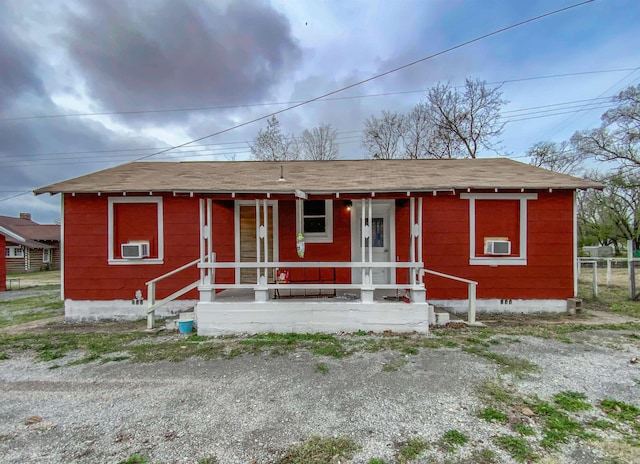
(503, 306)
(95, 310)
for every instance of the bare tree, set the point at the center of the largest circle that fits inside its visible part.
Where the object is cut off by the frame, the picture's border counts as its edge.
(382, 136)
(464, 122)
(272, 145)
(618, 137)
(449, 124)
(320, 143)
(558, 157)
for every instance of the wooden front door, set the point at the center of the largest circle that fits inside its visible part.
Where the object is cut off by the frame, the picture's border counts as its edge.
(247, 240)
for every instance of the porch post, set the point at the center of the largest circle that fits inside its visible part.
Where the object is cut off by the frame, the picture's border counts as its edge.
(366, 294)
(207, 294)
(261, 294)
(412, 242)
(419, 292)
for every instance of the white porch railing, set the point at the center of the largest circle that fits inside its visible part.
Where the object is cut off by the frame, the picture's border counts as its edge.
(207, 284)
(152, 304)
(471, 292)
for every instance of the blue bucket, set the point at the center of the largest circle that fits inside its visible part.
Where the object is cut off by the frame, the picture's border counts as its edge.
(185, 326)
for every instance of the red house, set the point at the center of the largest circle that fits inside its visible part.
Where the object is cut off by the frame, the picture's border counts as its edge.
(318, 245)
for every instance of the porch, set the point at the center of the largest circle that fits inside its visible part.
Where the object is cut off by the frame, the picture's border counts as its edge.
(368, 301)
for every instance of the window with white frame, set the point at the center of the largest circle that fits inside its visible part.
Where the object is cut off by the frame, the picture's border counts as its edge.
(14, 252)
(498, 228)
(317, 220)
(46, 255)
(133, 221)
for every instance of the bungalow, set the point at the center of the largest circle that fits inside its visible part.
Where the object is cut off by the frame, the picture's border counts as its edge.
(31, 247)
(317, 245)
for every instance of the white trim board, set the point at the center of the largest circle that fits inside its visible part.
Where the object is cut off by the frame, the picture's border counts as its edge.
(521, 259)
(159, 207)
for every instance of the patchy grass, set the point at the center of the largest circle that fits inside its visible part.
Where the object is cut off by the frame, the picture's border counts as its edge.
(135, 459)
(517, 447)
(376, 461)
(30, 308)
(208, 460)
(615, 298)
(319, 450)
(393, 365)
(410, 450)
(508, 364)
(452, 439)
(620, 411)
(523, 429)
(321, 368)
(493, 415)
(572, 401)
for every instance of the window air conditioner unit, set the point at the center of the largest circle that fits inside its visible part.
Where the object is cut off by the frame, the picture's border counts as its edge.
(134, 250)
(497, 247)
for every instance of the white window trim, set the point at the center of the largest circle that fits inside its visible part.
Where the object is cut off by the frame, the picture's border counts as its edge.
(521, 259)
(120, 261)
(48, 253)
(13, 249)
(317, 237)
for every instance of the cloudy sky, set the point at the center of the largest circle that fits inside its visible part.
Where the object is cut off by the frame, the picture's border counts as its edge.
(88, 84)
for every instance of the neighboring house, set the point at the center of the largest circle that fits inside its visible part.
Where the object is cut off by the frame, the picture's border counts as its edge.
(3, 264)
(491, 234)
(31, 247)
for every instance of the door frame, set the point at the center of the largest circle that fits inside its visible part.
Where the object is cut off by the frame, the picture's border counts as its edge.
(390, 207)
(236, 234)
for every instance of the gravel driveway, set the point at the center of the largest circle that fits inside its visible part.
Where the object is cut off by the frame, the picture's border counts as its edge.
(251, 409)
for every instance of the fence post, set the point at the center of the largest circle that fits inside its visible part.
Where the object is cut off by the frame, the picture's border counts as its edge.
(595, 279)
(609, 272)
(632, 270)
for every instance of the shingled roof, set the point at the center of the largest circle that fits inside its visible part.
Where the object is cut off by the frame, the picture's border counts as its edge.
(349, 176)
(29, 233)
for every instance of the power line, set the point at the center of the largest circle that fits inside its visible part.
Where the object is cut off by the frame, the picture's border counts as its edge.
(252, 105)
(377, 76)
(521, 114)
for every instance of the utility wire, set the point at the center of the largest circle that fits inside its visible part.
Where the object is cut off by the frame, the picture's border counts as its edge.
(520, 114)
(377, 76)
(252, 105)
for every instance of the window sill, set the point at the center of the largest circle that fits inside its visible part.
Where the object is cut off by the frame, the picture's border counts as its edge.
(511, 261)
(309, 238)
(136, 261)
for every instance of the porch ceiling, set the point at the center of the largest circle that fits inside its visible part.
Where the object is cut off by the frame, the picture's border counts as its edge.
(319, 177)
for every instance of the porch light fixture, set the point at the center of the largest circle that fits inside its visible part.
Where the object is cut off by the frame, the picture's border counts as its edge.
(348, 204)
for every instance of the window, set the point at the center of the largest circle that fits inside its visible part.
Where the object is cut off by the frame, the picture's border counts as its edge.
(14, 252)
(317, 220)
(135, 220)
(46, 256)
(498, 217)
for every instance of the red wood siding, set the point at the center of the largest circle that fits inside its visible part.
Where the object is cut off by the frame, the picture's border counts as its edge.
(497, 219)
(135, 222)
(339, 250)
(3, 264)
(549, 270)
(547, 275)
(88, 276)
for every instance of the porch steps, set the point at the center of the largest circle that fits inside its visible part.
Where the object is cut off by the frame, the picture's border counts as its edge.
(172, 323)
